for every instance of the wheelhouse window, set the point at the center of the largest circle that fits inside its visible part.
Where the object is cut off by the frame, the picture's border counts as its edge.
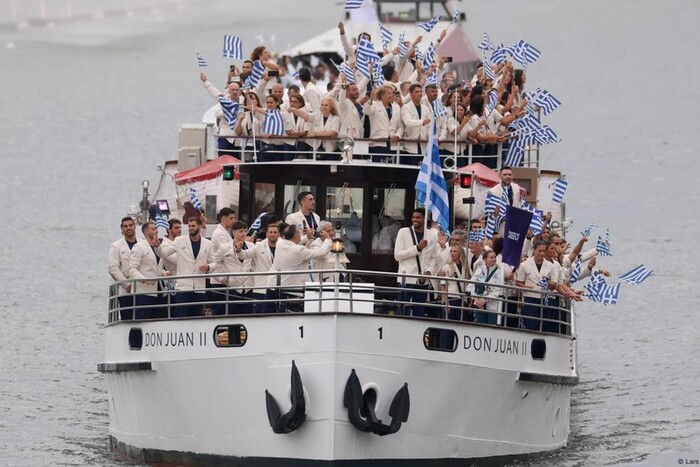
(388, 218)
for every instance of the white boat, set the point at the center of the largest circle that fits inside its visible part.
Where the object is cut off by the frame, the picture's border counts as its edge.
(345, 378)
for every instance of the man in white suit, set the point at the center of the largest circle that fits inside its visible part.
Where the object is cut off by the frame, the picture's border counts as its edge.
(145, 265)
(220, 237)
(415, 117)
(119, 260)
(306, 220)
(312, 94)
(512, 189)
(291, 256)
(236, 289)
(416, 252)
(174, 231)
(262, 255)
(194, 255)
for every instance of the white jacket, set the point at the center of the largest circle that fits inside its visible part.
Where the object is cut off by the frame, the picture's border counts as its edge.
(292, 257)
(406, 252)
(414, 127)
(181, 252)
(144, 265)
(298, 219)
(119, 261)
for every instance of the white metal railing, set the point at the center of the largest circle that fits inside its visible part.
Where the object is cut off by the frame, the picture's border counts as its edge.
(457, 158)
(345, 291)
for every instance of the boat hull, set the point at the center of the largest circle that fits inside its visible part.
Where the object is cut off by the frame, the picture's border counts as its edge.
(180, 399)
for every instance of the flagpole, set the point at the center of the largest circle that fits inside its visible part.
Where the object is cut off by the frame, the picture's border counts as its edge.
(429, 152)
(255, 151)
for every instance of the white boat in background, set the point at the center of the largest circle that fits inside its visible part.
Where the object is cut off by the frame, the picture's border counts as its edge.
(338, 375)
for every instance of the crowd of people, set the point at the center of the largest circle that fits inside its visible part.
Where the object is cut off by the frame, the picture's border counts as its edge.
(388, 115)
(461, 276)
(458, 277)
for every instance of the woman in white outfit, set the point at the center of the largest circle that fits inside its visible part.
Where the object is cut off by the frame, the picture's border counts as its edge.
(487, 289)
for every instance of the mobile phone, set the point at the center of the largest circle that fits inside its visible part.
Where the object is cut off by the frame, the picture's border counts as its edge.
(273, 73)
(232, 68)
(448, 59)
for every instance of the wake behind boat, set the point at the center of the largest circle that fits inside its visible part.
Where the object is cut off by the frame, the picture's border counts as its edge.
(337, 326)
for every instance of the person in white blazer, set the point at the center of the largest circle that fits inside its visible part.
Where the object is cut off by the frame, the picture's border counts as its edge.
(326, 125)
(194, 255)
(528, 275)
(174, 231)
(453, 292)
(293, 257)
(219, 238)
(385, 122)
(236, 291)
(305, 218)
(312, 94)
(515, 197)
(262, 255)
(416, 118)
(225, 145)
(416, 253)
(119, 260)
(146, 265)
(352, 117)
(487, 288)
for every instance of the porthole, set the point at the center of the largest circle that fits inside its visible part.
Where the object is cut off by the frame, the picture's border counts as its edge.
(538, 349)
(230, 335)
(443, 340)
(135, 338)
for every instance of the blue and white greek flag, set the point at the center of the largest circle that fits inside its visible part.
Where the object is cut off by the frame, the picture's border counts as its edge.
(378, 77)
(493, 201)
(499, 55)
(194, 200)
(257, 223)
(428, 26)
(255, 75)
(537, 222)
(488, 72)
(455, 16)
(231, 110)
(348, 73)
(439, 110)
(429, 56)
(486, 43)
(559, 190)
(587, 231)
(595, 286)
(493, 100)
(431, 184)
(477, 236)
(432, 78)
(492, 225)
(403, 47)
(636, 275)
(524, 53)
(366, 51)
(547, 102)
(516, 153)
(602, 246)
(545, 135)
(363, 66)
(575, 271)
(273, 123)
(610, 294)
(420, 56)
(353, 4)
(543, 283)
(201, 61)
(168, 285)
(160, 221)
(233, 47)
(386, 36)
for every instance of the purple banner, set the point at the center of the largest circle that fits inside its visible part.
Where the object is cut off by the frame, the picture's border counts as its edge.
(517, 223)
